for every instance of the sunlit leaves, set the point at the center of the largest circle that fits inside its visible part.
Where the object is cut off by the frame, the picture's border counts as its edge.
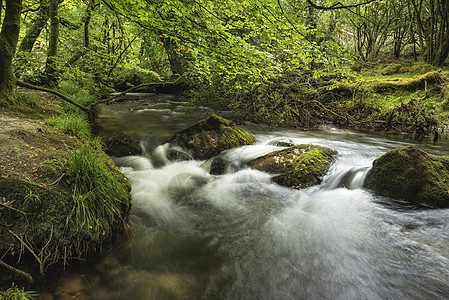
(233, 39)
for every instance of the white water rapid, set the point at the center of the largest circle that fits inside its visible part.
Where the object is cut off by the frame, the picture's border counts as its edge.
(240, 236)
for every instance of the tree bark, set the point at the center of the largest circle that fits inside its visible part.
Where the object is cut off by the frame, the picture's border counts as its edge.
(9, 37)
(35, 30)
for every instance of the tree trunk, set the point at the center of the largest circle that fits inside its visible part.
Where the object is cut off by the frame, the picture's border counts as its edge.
(50, 65)
(177, 63)
(9, 37)
(35, 30)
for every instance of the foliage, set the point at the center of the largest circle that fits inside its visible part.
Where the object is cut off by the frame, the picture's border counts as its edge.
(71, 124)
(100, 193)
(14, 293)
(78, 94)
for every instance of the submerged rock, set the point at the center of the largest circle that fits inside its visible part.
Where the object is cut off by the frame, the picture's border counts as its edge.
(211, 136)
(298, 166)
(120, 144)
(412, 175)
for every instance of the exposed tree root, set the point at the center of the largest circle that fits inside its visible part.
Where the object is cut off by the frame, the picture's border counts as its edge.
(17, 271)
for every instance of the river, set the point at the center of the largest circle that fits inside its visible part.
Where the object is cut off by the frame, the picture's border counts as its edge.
(194, 235)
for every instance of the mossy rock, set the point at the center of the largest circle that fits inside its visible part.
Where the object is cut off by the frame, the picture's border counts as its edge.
(298, 166)
(421, 69)
(412, 175)
(211, 136)
(391, 69)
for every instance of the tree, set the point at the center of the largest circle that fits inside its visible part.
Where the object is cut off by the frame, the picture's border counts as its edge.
(9, 36)
(52, 52)
(38, 23)
(432, 22)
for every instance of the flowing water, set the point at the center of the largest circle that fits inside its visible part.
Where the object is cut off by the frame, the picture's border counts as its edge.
(239, 236)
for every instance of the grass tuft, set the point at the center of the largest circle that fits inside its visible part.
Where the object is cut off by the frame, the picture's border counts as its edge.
(71, 124)
(100, 192)
(78, 94)
(14, 293)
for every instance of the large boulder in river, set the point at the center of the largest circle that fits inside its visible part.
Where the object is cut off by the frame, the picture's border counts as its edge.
(211, 136)
(298, 166)
(412, 175)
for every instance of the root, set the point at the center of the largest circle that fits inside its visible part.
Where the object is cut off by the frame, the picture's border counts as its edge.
(41, 266)
(17, 271)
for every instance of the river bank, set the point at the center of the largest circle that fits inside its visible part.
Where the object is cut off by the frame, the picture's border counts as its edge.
(53, 194)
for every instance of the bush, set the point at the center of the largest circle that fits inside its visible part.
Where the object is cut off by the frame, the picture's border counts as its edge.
(71, 124)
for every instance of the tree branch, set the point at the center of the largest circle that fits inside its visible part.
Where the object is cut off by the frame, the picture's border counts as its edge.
(56, 93)
(338, 5)
(135, 88)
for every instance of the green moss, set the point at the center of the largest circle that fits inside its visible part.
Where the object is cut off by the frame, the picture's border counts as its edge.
(421, 69)
(391, 69)
(209, 137)
(235, 137)
(412, 175)
(297, 166)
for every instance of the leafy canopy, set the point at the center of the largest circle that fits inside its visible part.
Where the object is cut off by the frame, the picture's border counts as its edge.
(249, 41)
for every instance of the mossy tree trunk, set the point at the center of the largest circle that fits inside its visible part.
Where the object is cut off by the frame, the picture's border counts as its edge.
(9, 37)
(39, 22)
(178, 63)
(52, 52)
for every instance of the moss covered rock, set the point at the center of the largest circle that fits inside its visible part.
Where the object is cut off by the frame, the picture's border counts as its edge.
(412, 175)
(298, 166)
(211, 136)
(393, 69)
(421, 69)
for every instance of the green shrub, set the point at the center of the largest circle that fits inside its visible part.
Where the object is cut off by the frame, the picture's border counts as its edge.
(14, 293)
(71, 124)
(100, 193)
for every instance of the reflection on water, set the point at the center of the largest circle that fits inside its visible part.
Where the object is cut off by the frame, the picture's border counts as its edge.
(240, 236)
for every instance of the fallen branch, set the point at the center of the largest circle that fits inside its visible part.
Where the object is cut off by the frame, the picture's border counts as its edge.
(56, 93)
(17, 271)
(106, 100)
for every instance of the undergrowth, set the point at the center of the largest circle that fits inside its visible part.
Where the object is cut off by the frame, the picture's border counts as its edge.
(100, 192)
(402, 102)
(74, 121)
